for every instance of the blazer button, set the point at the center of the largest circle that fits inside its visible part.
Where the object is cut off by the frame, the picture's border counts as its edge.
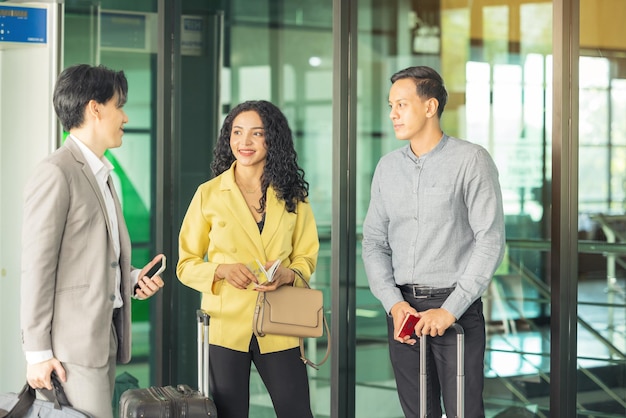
(114, 264)
(112, 297)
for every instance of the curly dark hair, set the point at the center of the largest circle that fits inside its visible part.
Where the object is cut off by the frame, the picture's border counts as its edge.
(281, 164)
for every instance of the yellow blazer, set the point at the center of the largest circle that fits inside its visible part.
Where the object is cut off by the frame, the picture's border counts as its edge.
(218, 228)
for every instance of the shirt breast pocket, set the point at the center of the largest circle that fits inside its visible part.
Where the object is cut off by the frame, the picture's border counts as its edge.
(438, 203)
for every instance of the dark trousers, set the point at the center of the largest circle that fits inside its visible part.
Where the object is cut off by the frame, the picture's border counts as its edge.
(283, 374)
(441, 364)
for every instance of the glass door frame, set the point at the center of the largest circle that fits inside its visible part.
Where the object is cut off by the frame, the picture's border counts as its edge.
(564, 247)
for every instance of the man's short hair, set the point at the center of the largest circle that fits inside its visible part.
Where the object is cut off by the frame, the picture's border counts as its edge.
(428, 82)
(79, 84)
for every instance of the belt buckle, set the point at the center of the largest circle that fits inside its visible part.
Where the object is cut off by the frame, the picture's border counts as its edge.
(417, 293)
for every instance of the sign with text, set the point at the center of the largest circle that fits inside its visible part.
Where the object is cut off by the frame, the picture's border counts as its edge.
(23, 24)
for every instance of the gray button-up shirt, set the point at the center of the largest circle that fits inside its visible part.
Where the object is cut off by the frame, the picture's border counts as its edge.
(436, 220)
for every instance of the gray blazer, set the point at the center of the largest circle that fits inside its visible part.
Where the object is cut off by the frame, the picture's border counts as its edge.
(68, 264)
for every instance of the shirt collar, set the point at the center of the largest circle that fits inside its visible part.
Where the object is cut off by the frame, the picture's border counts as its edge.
(101, 167)
(438, 147)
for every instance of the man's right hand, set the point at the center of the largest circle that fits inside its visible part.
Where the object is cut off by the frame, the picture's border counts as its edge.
(398, 312)
(38, 374)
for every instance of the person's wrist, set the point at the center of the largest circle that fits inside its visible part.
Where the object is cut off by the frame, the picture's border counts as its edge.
(296, 273)
(217, 276)
(398, 306)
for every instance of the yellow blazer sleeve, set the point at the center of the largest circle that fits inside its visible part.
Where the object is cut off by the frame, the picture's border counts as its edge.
(193, 269)
(305, 242)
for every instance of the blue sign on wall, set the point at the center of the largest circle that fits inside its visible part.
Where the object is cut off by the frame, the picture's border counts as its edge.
(23, 24)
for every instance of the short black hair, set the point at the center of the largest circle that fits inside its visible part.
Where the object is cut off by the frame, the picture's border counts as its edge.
(428, 82)
(79, 84)
(281, 164)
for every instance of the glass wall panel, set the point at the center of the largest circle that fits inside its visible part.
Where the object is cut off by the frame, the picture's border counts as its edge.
(280, 51)
(495, 58)
(121, 36)
(601, 373)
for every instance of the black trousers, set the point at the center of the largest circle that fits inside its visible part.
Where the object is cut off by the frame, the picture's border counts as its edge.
(282, 372)
(441, 364)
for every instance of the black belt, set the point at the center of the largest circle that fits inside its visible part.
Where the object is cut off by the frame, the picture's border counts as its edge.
(419, 291)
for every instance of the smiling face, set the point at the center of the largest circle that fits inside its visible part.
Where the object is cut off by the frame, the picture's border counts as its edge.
(247, 139)
(111, 121)
(409, 113)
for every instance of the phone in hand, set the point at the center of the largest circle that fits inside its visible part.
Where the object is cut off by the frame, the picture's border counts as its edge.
(408, 325)
(157, 269)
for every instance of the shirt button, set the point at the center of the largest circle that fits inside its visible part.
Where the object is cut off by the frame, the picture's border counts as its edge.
(114, 264)
(112, 297)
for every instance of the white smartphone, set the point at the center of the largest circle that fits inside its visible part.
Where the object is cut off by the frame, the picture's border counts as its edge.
(157, 269)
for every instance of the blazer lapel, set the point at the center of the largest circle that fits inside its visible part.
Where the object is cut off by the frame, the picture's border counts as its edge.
(237, 204)
(91, 179)
(274, 213)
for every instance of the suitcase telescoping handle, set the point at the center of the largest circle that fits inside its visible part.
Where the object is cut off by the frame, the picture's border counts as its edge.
(460, 373)
(203, 351)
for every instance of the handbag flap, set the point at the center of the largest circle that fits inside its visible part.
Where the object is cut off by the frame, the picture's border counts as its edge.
(295, 305)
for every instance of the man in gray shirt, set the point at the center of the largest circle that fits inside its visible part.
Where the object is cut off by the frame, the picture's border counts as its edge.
(432, 239)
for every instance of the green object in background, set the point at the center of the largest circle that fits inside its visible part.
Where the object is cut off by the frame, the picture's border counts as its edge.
(123, 382)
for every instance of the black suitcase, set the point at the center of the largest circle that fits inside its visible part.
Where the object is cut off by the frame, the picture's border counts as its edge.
(460, 373)
(180, 401)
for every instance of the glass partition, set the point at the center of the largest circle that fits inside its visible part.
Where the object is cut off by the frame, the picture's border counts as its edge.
(122, 36)
(601, 354)
(495, 58)
(280, 51)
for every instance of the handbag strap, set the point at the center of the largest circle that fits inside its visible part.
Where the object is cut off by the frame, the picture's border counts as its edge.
(258, 310)
(27, 396)
(308, 362)
(25, 400)
(298, 273)
(303, 357)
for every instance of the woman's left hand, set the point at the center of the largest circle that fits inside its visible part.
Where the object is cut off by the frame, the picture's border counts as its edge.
(282, 276)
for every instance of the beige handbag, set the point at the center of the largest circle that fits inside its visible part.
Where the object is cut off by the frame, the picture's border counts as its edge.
(292, 311)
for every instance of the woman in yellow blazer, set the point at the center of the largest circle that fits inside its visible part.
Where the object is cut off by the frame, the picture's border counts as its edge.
(256, 208)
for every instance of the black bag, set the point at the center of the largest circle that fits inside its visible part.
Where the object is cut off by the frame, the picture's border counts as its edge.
(179, 401)
(25, 404)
